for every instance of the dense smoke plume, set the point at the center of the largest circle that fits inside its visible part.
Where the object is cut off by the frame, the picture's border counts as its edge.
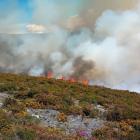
(102, 47)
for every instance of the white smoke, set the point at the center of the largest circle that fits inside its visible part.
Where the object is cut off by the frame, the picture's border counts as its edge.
(113, 47)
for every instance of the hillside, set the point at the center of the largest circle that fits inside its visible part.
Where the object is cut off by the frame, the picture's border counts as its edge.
(116, 113)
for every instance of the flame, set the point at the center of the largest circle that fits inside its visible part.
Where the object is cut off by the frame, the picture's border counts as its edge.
(85, 81)
(49, 75)
(63, 78)
(71, 80)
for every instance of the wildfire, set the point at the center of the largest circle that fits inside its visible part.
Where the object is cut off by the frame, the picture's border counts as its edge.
(49, 75)
(63, 78)
(71, 80)
(85, 81)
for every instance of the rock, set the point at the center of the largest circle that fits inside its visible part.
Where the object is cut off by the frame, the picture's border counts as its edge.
(76, 102)
(100, 108)
(35, 115)
(74, 122)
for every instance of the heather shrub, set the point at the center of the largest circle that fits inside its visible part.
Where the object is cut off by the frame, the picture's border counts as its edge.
(92, 114)
(25, 133)
(123, 112)
(89, 99)
(22, 88)
(80, 134)
(124, 126)
(84, 103)
(32, 92)
(88, 111)
(10, 101)
(49, 99)
(75, 110)
(19, 108)
(64, 109)
(114, 115)
(5, 87)
(108, 133)
(21, 95)
(41, 98)
(136, 124)
(13, 105)
(6, 121)
(62, 117)
(45, 90)
(34, 104)
(68, 100)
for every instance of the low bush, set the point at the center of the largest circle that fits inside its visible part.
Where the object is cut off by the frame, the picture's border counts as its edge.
(10, 101)
(34, 104)
(62, 117)
(32, 92)
(13, 105)
(68, 100)
(108, 133)
(21, 95)
(75, 110)
(136, 124)
(89, 111)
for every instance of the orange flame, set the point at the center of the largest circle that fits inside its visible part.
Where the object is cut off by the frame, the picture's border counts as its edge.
(63, 78)
(85, 81)
(71, 80)
(49, 75)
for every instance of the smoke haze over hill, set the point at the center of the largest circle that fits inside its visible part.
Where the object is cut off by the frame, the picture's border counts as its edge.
(100, 43)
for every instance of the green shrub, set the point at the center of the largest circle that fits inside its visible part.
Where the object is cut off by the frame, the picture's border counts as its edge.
(75, 110)
(115, 114)
(32, 92)
(17, 108)
(5, 120)
(92, 114)
(68, 100)
(14, 106)
(21, 95)
(25, 133)
(136, 124)
(10, 101)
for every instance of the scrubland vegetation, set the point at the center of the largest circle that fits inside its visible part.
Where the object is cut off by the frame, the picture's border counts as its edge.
(122, 115)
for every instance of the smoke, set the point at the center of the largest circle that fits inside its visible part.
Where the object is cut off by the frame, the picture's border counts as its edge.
(86, 12)
(82, 68)
(102, 47)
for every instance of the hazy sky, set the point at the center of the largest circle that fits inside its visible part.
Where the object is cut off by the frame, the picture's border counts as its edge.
(43, 15)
